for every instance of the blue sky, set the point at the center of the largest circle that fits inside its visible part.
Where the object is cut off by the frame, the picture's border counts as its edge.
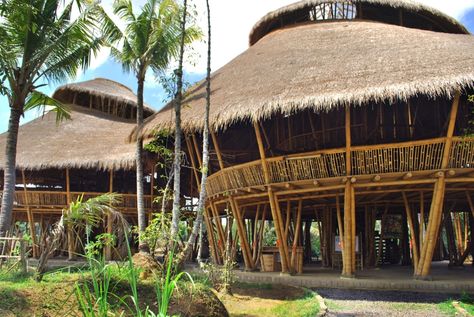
(229, 39)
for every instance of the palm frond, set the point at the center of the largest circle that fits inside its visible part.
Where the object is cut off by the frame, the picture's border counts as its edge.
(40, 101)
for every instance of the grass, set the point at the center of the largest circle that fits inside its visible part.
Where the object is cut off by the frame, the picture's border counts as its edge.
(251, 299)
(306, 306)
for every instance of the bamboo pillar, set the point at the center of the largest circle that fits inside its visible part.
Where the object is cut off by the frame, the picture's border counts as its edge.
(348, 258)
(274, 205)
(422, 218)
(30, 216)
(414, 242)
(423, 268)
(347, 269)
(340, 224)
(248, 260)
(296, 238)
(210, 236)
(108, 248)
(220, 230)
(70, 234)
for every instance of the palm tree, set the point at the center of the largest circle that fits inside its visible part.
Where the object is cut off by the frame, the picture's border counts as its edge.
(205, 151)
(178, 99)
(151, 39)
(40, 41)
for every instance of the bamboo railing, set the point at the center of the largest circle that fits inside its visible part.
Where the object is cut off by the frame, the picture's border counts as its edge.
(414, 156)
(56, 200)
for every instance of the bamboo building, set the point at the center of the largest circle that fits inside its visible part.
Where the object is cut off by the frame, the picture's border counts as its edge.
(349, 114)
(87, 155)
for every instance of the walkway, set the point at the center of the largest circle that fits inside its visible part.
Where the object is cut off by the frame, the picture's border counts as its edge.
(400, 278)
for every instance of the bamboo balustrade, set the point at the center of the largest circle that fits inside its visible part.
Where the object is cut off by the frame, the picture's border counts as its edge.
(57, 200)
(424, 155)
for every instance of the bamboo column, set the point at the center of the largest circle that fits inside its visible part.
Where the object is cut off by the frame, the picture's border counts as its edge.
(414, 242)
(434, 221)
(349, 256)
(241, 230)
(108, 248)
(220, 230)
(340, 224)
(248, 260)
(29, 214)
(70, 234)
(422, 218)
(296, 238)
(274, 204)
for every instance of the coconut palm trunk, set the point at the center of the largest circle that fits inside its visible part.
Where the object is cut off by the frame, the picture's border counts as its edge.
(142, 223)
(176, 214)
(205, 149)
(9, 179)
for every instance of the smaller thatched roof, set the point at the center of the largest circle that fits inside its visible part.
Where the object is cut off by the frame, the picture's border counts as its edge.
(91, 139)
(262, 27)
(101, 88)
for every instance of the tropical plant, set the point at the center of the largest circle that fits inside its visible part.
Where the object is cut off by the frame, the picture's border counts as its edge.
(205, 152)
(40, 41)
(81, 215)
(94, 297)
(151, 40)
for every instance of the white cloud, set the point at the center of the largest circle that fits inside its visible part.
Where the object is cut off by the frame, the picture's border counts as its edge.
(233, 20)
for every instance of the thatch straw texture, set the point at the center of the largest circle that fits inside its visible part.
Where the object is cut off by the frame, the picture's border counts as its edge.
(325, 65)
(100, 88)
(259, 29)
(90, 140)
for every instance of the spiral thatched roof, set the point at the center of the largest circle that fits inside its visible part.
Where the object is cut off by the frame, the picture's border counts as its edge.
(108, 96)
(325, 65)
(91, 139)
(297, 11)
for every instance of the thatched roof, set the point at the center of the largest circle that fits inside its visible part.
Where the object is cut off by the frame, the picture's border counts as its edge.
(91, 139)
(325, 65)
(264, 25)
(103, 89)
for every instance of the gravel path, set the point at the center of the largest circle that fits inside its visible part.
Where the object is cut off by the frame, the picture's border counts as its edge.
(349, 303)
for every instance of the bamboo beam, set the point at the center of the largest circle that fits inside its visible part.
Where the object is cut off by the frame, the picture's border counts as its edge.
(451, 126)
(193, 162)
(255, 231)
(196, 148)
(218, 150)
(413, 235)
(30, 217)
(471, 206)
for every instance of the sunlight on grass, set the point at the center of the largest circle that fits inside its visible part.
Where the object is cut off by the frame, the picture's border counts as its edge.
(307, 306)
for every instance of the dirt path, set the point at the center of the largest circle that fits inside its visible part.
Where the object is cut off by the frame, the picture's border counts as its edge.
(353, 303)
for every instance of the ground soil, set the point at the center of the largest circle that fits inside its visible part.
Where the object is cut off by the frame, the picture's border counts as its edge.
(354, 303)
(256, 300)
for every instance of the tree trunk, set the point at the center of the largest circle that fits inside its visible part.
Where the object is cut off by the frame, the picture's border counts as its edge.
(177, 139)
(142, 245)
(205, 147)
(9, 179)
